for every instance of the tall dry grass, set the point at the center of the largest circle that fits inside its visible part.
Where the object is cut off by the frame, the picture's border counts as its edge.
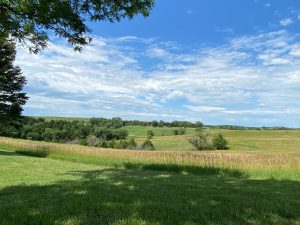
(223, 159)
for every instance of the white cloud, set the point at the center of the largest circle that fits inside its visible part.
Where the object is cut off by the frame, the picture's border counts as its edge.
(286, 22)
(247, 79)
(205, 108)
(175, 95)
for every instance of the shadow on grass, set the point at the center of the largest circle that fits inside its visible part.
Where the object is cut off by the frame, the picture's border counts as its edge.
(32, 153)
(114, 196)
(7, 153)
(196, 170)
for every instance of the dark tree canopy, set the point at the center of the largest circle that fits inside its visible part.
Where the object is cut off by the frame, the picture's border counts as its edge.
(11, 85)
(29, 20)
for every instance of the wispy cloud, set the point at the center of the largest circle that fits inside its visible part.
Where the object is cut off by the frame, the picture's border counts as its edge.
(286, 22)
(247, 80)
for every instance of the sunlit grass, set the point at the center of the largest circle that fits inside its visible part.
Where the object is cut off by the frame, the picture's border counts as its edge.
(45, 191)
(255, 164)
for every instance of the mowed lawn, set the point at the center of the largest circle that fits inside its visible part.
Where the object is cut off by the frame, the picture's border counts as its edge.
(47, 191)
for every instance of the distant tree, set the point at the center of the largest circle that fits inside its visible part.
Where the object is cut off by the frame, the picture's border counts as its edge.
(33, 136)
(11, 84)
(201, 141)
(148, 145)
(92, 140)
(132, 144)
(150, 134)
(28, 21)
(155, 123)
(220, 142)
(198, 124)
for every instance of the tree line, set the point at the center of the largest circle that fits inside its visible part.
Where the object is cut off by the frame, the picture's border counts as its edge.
(98, 132)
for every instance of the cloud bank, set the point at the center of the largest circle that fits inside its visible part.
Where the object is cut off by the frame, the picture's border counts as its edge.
(251, 80)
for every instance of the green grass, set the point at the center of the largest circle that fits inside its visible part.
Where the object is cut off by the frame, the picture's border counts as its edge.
(242, 140)
(141, 131)
(47, 191)
(257, 184)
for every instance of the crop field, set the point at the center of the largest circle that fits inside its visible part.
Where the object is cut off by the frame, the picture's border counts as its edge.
(256, 181)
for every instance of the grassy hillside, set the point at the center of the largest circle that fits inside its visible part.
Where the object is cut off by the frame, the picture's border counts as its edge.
(140, 131)
(280, 165)
(47, 191)
(243, 140)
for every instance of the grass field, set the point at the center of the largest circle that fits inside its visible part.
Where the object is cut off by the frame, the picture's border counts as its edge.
(46, 191)
(239, 140)
(256, 182)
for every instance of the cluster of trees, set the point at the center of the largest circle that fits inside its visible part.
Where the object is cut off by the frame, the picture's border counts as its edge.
(161, 123)
(65, 131)
(92, 140)
(203, 141)
(235, 127)
(98, 132)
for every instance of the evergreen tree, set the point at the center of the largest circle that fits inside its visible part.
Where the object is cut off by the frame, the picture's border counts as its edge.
(11, 84)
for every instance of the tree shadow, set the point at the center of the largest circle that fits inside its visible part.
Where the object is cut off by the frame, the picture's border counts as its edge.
(33, 153)
(196, 170)
(7, 153)
(115, 196)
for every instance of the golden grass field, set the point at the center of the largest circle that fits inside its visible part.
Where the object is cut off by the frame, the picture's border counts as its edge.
(277, 162)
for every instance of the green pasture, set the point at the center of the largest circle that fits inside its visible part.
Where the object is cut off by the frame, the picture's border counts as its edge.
(47, 191)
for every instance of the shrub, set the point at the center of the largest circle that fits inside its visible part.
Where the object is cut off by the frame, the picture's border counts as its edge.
(132, 144)
(33, 136)
(220, 142)
(150, 134)
(92, 140)
(201, 141)
(181, 131)
(121, 144)
(75, 141)
(148, 145)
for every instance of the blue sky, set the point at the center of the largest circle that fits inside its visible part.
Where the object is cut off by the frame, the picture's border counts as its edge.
(220, 62)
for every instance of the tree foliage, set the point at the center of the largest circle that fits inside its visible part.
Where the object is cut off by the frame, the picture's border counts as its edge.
(148, 145)
(150, 134)
(11, 84)
(202, 141)
(219, 142)
(30, 20)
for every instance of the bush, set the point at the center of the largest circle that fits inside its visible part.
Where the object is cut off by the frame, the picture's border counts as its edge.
(220, 142)
(181, 131)
(33, 136)
(148, 145)
(201, 141)
(92, 140)
(150, 134)
(132, 144)
(121, 144)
